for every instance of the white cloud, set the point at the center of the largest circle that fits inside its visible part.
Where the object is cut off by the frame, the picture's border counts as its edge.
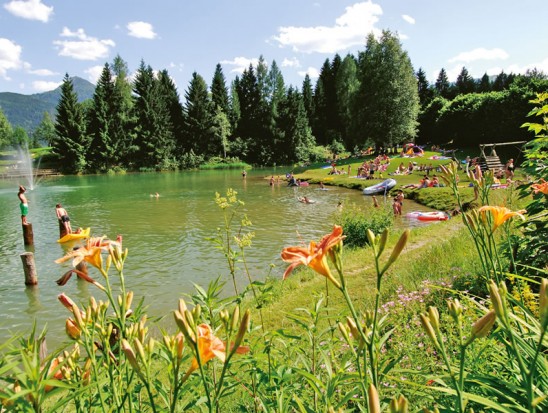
(480, 53)
(542, 66)
(141, 30)
(42, 72)
(177, 66)
(350, 29)
(240, 64)
(94, 73)
(85, 48)
(311, 71)
(293, 62)
(10, 57)
(408, 18)
(29, 9)
(43, 86)
(402, 36)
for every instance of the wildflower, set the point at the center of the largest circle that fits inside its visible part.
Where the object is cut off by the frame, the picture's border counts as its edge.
(501, 214)
(80, 274)
(542, 186)
(91, 252)
(209, 347)
(315, 256)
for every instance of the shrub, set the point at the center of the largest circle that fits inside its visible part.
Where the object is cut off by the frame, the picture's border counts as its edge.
(356, 222)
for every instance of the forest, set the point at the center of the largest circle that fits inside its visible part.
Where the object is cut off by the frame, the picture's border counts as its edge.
(374, 98)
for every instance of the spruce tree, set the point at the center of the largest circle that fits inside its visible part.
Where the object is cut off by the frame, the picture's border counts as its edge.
(442, 85)
(71, 142)
(155, 143)
(465, 83)
(219, 91)
(103, 152)
(308, 98)
(295, 136)
(484, 84)
(425, 93)
(198, 111)
(123, 120)
(168, 91)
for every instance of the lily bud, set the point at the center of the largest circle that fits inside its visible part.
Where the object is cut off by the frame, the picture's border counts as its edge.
(399, 405)
(72, 329)
(400, 245)
(382, 242)
(196, 312)
(130, 354)
(483, 326)
(77, 316)
(344, 331)
(373, 399)
(371, 237)
(182, 306)
(434, 317)
(455, 309)
(140, 349)
(543, 302)
(235, 318)
(66, 301)
(497, 300)
(427, 326)
(129, 299)
(179, 345)
(244, 325)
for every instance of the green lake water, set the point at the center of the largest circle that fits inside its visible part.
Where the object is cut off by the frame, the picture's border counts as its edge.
(166, 236)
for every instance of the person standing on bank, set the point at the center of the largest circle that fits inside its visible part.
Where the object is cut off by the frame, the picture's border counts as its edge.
(62, 215)
(24, 205)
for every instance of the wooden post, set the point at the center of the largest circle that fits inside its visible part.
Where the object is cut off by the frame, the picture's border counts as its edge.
(62, 229)
(28, 235)
(31, 278)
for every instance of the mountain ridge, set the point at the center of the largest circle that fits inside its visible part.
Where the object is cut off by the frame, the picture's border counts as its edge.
(27, 111)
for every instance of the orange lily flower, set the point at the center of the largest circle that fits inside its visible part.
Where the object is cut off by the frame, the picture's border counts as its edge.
(209, 347)
(91, 253)
(540, 187)
(501, 214)
(315, 256)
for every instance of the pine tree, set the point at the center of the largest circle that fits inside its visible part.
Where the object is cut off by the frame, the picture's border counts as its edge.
(387, 102)
(71, 142)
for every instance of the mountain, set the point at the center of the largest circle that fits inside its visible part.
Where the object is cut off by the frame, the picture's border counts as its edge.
(27, 111)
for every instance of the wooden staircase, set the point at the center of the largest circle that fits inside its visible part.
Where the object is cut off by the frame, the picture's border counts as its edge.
(491, 162)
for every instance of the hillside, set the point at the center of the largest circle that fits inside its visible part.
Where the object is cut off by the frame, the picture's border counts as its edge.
(27, 110)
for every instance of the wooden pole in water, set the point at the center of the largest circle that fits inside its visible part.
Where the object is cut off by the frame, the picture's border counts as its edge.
(62, 229)
(31, 278)
(28, 235)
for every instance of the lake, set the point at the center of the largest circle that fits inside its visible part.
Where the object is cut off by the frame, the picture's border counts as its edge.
(166, 236)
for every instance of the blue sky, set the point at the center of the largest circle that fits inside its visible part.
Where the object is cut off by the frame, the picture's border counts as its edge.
(41, 40)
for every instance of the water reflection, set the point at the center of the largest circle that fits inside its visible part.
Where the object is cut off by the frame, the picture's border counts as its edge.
(166, 236)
